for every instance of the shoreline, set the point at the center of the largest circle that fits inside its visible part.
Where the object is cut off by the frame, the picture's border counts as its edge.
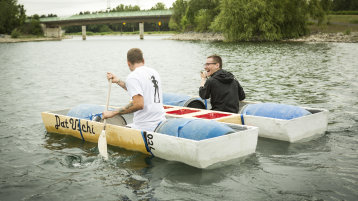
(328, 37)
(317, 37)
(8, 39)
(214, 37)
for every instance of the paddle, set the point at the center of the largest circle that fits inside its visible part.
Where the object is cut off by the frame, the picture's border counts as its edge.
(102, 140)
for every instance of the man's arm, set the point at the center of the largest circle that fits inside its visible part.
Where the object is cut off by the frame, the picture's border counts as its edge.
(241, 91)
(122, 84)
(203, 78)
(135, 105)
(204, 89)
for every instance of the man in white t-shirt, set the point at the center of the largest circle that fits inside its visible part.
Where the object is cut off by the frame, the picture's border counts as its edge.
(144, 86)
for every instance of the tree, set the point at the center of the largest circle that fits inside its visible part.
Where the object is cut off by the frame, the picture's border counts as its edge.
(22, 15)
(35, 27)
(203, 20)
(342, 5)
(159, 6)
(194, 14)
(269, 20)
(294, 18)
(194, 6)
(317, 10)
(11, 15)
(179, 8)
(121, 8)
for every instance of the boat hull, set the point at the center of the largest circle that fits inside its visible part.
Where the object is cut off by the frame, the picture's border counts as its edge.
(294, 130)
(198, 153)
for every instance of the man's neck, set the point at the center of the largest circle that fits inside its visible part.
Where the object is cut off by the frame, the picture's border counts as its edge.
(215, 72)
(135, 66)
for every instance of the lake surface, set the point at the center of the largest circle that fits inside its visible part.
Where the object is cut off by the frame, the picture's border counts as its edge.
(55, 75)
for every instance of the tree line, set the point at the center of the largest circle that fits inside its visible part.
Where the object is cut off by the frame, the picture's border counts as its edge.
(253, 20)
(238, 20)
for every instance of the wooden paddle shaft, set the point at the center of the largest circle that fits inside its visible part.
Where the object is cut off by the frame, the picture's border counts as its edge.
(107, 103)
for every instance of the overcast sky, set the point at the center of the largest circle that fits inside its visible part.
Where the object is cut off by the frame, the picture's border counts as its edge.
(71, 7)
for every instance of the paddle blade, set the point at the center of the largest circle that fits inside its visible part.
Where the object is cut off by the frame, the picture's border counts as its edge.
(102, 145)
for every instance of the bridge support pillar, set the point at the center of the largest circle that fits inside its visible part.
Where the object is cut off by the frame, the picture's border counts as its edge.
(52, 31)
(141, 30)
(84, 32)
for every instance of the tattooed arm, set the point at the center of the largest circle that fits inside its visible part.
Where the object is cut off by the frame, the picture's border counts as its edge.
(122, 84)
(135, 105)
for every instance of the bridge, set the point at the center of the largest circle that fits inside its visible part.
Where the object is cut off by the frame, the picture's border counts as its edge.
(52, 25)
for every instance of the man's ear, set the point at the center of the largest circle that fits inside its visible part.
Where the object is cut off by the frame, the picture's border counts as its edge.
(217, 65)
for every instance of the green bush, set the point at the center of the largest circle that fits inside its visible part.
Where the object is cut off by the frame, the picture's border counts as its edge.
(311, 23)
(347, 32)
(15, 33)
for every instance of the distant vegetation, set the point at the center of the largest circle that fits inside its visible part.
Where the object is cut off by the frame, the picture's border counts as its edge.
(343, 5)
(254, 20)
(13, 17)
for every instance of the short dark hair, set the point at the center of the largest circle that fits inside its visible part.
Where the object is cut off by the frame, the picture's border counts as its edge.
(135, 55)
(217, 59)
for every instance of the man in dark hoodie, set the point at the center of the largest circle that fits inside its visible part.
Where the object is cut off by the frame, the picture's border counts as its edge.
(221, 86)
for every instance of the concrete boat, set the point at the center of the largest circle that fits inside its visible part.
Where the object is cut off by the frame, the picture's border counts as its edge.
(203, 153)
(297, 129)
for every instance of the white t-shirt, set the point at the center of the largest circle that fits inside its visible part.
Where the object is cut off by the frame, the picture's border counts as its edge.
(146, 82)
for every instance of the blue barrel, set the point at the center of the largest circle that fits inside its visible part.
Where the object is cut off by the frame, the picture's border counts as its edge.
(86, 111)
(274, 110)
(183, 101)
(195, 129)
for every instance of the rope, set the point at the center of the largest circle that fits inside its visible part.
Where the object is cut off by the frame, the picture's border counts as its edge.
(242, 119)
(79, 126)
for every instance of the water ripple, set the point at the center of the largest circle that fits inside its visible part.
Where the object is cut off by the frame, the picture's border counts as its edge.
(46, 76)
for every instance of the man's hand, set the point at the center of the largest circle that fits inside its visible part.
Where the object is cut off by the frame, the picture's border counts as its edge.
(109, 114)
(203, 74)
(113, 77)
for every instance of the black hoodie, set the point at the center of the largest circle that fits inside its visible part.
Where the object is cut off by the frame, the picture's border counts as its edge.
(224, 91)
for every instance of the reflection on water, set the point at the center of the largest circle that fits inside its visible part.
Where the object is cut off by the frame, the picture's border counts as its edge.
(175, 172)
(269, 147)
(56, 75)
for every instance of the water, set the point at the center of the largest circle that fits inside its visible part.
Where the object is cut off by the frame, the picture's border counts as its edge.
(47, 76)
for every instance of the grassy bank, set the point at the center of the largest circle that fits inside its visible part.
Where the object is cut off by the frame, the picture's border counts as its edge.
(336, 24)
